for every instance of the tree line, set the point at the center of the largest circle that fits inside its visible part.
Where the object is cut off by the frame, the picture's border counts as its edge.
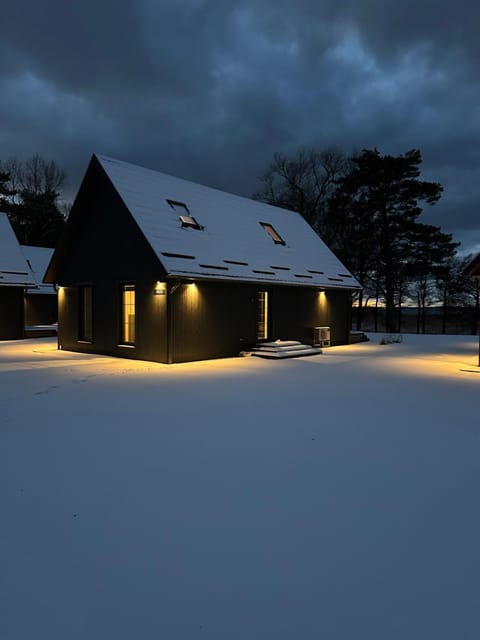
(30, 196)
(366, 208)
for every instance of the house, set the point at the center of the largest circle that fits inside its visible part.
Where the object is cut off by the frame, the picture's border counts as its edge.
(472, 270)
(15, 275)
(157, 268)
(40, 300)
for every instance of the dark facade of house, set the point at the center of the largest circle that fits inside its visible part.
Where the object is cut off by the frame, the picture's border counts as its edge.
(11, 313)
(15, 276)
(472, 270)
(40, 309)
(40, 301)
(116, 296)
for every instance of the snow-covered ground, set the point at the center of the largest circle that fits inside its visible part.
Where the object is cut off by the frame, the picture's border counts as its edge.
(332, 497)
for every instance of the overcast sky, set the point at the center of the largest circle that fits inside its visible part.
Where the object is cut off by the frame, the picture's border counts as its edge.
(209, 89)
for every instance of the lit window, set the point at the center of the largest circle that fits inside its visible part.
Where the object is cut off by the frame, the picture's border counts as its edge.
(185, 218)
(128, 314)
(262, 315)
(189, 221)
(272, 233)
(85, 317)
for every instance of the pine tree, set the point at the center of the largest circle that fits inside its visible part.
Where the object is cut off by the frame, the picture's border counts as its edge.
(5, 191)
(373, 214)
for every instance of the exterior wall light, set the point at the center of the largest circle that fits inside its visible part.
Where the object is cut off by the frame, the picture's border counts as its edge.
(160, 288)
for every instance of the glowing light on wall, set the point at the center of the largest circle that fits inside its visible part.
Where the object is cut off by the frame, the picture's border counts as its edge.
(192, 294)
(160, 288)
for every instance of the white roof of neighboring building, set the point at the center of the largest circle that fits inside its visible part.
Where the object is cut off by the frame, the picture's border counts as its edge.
(38, 259)
(14, 270)
(232, 244)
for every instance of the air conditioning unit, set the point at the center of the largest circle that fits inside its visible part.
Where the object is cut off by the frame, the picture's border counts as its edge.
(321, 336)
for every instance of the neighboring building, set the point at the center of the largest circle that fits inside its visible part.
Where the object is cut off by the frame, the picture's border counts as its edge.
(15, 275)
(157, 268)
(41, 299)
(472, 270)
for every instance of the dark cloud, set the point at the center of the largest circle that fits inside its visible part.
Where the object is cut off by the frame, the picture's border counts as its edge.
(209, 89)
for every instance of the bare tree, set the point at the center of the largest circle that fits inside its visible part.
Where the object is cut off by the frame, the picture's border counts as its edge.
(303, 183)
(38, 175)
(35, 175)
(31, 199)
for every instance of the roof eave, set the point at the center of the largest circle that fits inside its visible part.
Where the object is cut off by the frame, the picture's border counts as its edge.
(192, 277)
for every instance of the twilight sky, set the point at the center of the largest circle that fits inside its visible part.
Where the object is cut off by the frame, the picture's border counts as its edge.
(208, 90)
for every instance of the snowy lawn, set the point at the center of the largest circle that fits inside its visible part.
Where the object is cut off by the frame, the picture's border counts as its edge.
(332, 497)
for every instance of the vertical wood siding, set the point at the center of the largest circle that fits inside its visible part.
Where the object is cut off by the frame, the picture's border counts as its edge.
(11, 313)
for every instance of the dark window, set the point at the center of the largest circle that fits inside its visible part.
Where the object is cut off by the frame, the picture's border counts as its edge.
(272, 233)
(85, 308)
(128, 314)
(179, 207)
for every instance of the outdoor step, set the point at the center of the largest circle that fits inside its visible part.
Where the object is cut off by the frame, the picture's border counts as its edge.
(293, 347)
(280, 349)
(279, 355)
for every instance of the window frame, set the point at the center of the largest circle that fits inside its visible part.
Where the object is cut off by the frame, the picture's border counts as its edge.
(184, 215)
(263, 314)
(190, 222)
(273, 233)
(125, 324)
(176, 203)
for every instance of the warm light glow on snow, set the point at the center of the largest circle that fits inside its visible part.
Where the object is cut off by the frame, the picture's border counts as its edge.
(459, 361)
(221, 484)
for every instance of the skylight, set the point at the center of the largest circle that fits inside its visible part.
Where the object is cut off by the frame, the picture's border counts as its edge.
(189, 221)
(180, 207)
(272, 233)
(185, 218)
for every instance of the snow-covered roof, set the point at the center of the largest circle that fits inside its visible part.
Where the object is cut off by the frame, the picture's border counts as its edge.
(38, 259)
(472, 270)
(14, 270)
(231, 243)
